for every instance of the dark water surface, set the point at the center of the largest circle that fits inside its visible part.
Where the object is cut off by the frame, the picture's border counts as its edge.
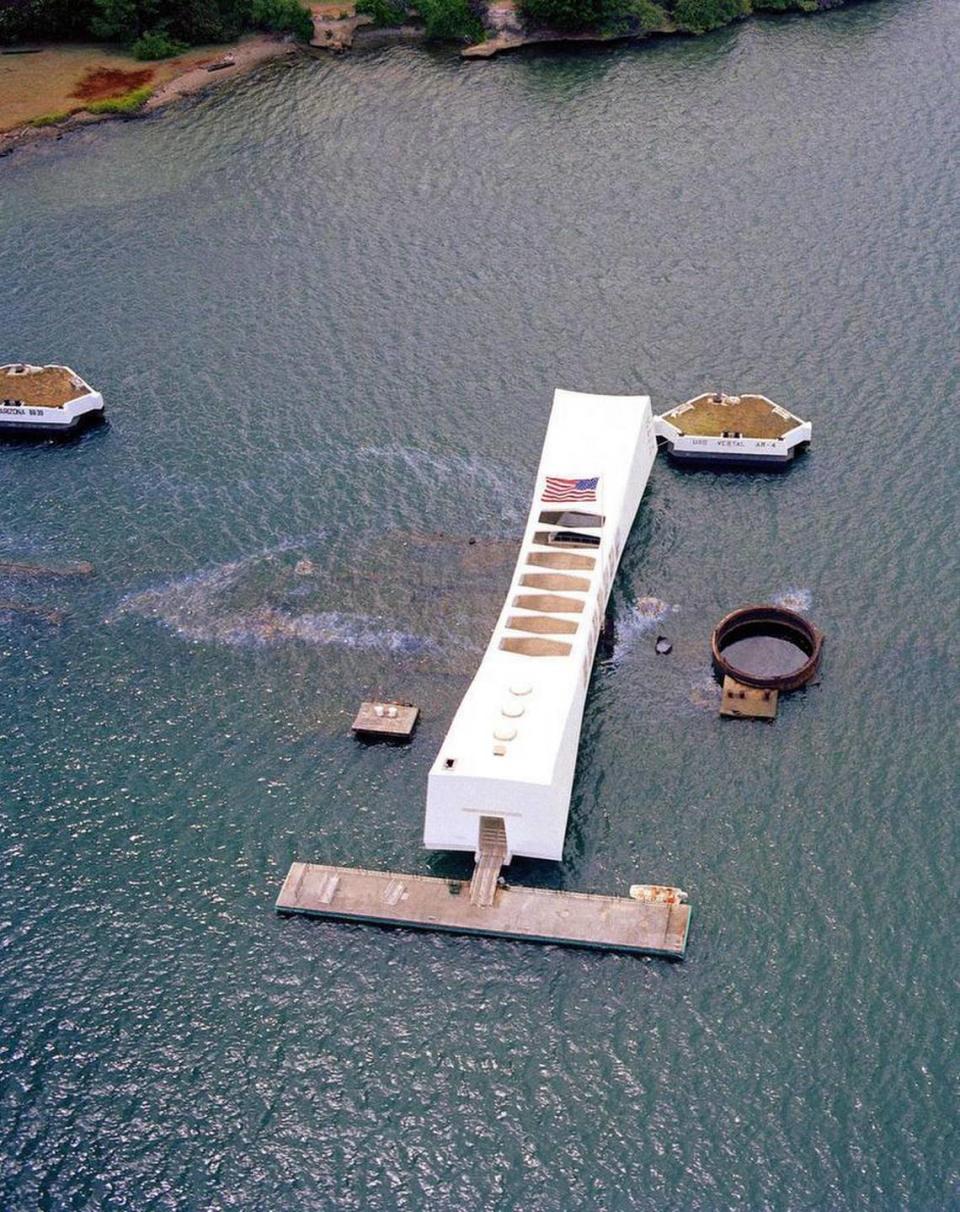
(328, 307)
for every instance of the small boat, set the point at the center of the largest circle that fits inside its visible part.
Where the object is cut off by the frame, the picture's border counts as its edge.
(45, 399)
(717, 428)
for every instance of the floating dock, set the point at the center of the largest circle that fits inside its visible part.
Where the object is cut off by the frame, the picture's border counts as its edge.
(536, 915)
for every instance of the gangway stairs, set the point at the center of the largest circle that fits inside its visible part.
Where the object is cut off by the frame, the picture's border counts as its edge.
(491, 856)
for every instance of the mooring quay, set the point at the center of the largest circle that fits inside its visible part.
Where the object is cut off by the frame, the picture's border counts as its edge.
(535, 915)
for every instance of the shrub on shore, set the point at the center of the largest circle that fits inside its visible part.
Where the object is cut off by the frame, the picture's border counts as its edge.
(571, 16)
(782, 6)
(449, 20)
(383, 12)
(131, 21)
(698, 16)
(565, 16)
(127, 104)
(159, 28)
(44, 19)
(638, 16)
(157, 44)
(61, 115)
(282, 17)
(443, 20)
(650, 16)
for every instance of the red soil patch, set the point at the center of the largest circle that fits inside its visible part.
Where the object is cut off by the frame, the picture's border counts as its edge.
(102, 82)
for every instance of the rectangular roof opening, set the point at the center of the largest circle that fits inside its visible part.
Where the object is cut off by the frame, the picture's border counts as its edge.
(571, 517)
(566, 538)
(561, 560)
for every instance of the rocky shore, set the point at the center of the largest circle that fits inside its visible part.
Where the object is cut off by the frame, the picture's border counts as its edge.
(508, 28)
(338, 25)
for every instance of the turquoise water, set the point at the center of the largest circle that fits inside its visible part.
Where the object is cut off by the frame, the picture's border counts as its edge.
(328, 307)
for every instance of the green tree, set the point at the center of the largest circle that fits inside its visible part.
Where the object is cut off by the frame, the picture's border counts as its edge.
(282, 16)
(565, 16)
(698, 16)
(779, 6)
(449, 20)
(128, 21)
(616, 16)
(649, 16)
(156, 44)
(44, 18)
(122, 20)
(194, 20)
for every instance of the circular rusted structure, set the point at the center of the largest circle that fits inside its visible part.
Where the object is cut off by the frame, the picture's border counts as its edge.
(750, 622)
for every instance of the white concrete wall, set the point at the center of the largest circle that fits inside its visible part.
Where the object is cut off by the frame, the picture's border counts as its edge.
(693, 444)
(86, 400)
(529, 785)
(31, 414)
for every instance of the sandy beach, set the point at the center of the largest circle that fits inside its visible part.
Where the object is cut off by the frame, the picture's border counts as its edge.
(42, 94)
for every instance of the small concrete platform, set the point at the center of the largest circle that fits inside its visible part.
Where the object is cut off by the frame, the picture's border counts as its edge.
(748, 702)
(420, 902)
(385, 721)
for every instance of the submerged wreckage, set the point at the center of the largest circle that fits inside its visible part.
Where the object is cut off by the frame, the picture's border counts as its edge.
(502, 781)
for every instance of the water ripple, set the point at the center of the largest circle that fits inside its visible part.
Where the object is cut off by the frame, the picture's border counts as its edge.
(327, 306)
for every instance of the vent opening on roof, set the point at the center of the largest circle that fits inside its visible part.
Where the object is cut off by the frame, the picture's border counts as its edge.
(534, 645)
(560, 559)
(566, 538)
(548, 603)
(555, 580)
(541, 624)
(571, 517)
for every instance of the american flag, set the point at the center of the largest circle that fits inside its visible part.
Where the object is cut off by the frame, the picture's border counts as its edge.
(560, 489)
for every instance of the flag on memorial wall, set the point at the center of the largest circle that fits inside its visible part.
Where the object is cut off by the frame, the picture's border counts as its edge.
(560, 489)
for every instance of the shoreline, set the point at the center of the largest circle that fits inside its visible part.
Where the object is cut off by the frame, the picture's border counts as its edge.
(337, 28)
(194, 78)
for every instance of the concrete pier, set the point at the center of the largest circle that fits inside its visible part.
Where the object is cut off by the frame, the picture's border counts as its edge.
(389, 898)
